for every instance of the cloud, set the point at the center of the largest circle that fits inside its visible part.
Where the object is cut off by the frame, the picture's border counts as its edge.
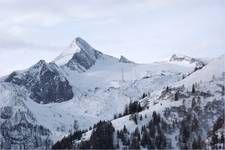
(143, 30)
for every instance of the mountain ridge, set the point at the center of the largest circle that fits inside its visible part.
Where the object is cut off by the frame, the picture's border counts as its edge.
(180, 108)
(93, 87)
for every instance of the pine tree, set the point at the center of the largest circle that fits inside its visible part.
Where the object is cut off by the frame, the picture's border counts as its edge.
(126, 111)
(156, 118)
(125, 129)
(144, 95)
(193, 89)
(215, 139)
(219, 123)
(222, 139)
(141, 118)
(137, 134)
(176, 96)
(66, 142)
(102, 136)
(151, 127)
(134, 118)
(167, 89)
(75, 125)
(146, 140)
(134, 107)
(223, 90)
(184, 134)
(194, 125)
(193, 103)
(160, 140)
(57, 145)
(197, 144)
(135, 142)
(84, 145)
(120, 115)
(194, 145)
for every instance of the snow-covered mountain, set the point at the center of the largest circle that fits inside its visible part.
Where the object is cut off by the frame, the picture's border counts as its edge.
(42, 104)
(78, 56)
(187, 114)
(45, 82)
(186, 60)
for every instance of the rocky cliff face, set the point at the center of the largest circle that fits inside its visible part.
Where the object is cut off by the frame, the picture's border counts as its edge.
(45, 83)
(85, 58)
(18, 133)
(18, 126)
(197, 62)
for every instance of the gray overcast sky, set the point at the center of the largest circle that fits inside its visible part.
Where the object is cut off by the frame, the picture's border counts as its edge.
(142, 30)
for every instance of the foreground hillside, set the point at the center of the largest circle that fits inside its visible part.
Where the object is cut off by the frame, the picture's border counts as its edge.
(187, 115)
(44, 103)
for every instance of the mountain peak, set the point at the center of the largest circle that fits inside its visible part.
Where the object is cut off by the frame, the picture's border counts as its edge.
(73, 44)
(187, 60)
(124, 60)
(81, 42)
(40, 63)
(176, 57)
(84, 46)
(77, 43)
(85, 58)
(67, 53)
(79, 55)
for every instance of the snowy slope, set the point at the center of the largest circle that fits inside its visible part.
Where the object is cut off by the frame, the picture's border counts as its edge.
(101, 86)
(215, 69)
(67, 54)
(109, 70)
(210, 102)
(100, 93)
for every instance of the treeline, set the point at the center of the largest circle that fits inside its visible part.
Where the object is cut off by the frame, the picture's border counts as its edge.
(131, 108)
(149, 136)
(190, 134)
(67, 142)
(218, 142)
(101, 137)
(102, 128)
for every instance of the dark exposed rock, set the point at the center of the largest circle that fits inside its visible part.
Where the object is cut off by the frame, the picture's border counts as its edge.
(6, 112)
(23, 134)
(85, 58)
(45, 82)
(124, 60)
(197, 62)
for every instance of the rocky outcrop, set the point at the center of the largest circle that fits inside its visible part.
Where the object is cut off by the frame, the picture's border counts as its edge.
(19, 131)
(85, 58)
(45, 83)
(124, 60)
(197, 62)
